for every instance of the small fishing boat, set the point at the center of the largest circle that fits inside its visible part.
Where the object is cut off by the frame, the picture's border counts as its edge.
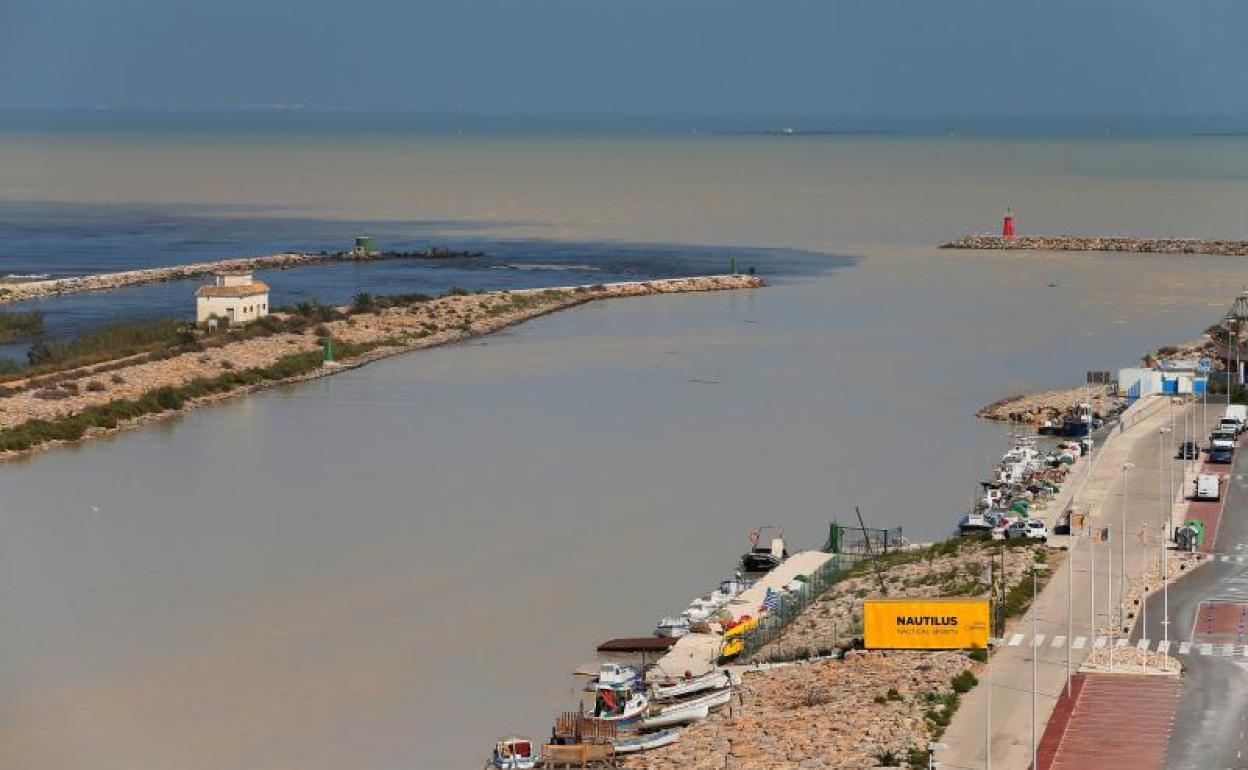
(711, 701)
(766, 553)
(619, 706)
(646, 742)
(513, 753)
(689, 686)
(682, 716)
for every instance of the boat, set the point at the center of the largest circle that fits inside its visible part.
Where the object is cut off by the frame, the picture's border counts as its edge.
(766, 553)
(513, 753)
(669, 626)
(646, 741)
(616, 696)
(711, 700)
(705, 606)
(682, 716)
(973, 523)
(689, 686)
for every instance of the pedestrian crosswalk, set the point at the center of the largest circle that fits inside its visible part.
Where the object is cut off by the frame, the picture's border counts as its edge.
(1164, 646)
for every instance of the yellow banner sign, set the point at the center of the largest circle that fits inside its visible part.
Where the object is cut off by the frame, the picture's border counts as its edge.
(925, 624)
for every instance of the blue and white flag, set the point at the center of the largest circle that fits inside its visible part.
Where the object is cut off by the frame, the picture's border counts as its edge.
(771, 600)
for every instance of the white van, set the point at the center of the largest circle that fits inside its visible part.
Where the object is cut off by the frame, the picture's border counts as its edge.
(1237, 412)
(1208, 486)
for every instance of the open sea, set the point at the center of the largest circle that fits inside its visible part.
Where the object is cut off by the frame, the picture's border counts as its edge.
(391, 567)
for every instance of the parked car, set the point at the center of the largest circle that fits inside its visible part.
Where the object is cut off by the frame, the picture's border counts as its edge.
(1221, 455)
(1028, 528)
(1189, 451)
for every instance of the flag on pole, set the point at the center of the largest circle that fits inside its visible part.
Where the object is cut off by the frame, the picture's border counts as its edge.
(771, 600)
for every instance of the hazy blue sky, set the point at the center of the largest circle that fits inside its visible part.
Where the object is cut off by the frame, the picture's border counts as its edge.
(631, 56)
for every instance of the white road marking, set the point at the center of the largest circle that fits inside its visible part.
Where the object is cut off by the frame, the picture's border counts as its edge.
(1239, 560)
(1122, 642)
(1185, 648)
(1206, 649)
(1016, 640)
(1099, 643)
(1228, 649)
(1163, 646)
(1037, 640)
(1058, 641)
(1142, 645)
(1078, 643)
(1225, 558)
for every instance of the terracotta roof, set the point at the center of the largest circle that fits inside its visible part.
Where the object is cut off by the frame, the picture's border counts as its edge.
(246, 290)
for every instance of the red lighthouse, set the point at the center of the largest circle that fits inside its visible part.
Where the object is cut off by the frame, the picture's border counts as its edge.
(1007, 225)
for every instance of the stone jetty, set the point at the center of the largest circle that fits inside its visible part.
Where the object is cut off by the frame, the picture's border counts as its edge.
(217, 367)
(1050, 406)
(1221, 248)
(18, 290)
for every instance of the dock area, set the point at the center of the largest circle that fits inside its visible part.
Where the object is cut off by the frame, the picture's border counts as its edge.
(696, 654)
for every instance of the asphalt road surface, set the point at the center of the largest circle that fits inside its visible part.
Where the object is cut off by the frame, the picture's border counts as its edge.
(1211, 720)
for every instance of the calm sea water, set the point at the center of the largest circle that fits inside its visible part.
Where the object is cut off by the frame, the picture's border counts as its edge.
(388, 568)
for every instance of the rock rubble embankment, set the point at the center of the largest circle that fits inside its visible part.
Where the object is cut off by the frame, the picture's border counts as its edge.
(1219, 248)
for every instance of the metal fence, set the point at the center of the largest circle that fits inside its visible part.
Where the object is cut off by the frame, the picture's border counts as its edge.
(792, 603)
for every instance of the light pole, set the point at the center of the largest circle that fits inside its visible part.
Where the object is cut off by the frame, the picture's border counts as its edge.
(1035, 653)
(1161, 487)
(1070, 613)
(1122, 582)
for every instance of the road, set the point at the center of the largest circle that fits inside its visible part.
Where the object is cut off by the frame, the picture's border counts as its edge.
(1211, 720)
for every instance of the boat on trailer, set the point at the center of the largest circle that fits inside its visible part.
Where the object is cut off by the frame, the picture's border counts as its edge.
(766, 553)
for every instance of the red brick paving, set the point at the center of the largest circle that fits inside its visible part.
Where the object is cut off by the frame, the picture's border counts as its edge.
(1058, 722)
(1115, 720)
(1221, 622)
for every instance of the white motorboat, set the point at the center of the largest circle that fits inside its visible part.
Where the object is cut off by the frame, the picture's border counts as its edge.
(712, 680)
(513, 753)
(683, 716)
(646, 742)
(711, 701)
(672, 627)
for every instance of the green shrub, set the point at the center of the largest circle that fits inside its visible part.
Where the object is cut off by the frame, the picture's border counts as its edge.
(964, 682)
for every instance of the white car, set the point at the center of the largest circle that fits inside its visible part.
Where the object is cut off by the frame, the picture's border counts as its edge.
(1027, 528)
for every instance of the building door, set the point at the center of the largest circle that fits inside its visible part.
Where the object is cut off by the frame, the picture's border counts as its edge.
(229, 314)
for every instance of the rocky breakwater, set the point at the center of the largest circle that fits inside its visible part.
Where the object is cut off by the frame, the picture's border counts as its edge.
(1052, 406)
(1219, 248)
(870, 709)
(20, 289)
(107, 396)
(17, 291)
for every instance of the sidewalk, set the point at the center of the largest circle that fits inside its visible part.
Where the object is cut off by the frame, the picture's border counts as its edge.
(1000, 715)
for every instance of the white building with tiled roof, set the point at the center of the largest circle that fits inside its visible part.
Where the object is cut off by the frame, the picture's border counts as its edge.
(235, 299)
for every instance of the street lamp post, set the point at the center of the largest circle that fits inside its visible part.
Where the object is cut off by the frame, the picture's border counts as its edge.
(1035, 653)
(1122, 582)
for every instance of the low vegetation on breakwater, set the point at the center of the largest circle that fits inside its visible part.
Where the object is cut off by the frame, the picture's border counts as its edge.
(82, 391)
(19, 290)
(1219, 248)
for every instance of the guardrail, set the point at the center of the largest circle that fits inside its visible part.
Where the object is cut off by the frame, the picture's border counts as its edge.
(791, 604)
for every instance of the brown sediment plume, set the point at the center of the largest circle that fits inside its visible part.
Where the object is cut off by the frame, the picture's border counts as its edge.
(379, 334)
(1222, 248)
